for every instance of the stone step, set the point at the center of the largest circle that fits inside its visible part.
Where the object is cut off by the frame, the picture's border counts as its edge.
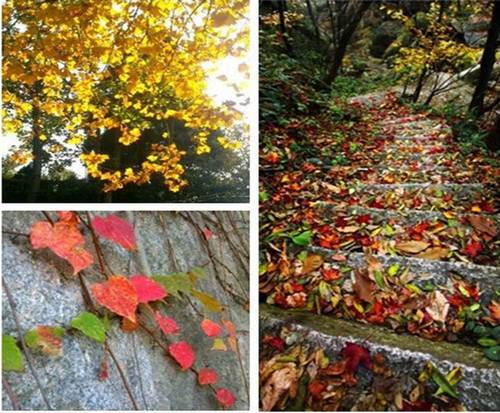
(389, 174)
(439, 272)
(478, 390)
(412, 216)
(458, 198)
(382, 231)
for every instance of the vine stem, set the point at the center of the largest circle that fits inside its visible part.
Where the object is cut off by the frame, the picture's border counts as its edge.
(122, 375)
(88, 300)
(29, 357)
(10, 393)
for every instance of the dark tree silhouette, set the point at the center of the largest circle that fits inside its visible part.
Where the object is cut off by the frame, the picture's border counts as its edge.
(487, 62)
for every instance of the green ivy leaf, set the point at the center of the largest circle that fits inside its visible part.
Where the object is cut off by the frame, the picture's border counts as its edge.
(90, 325)
(175, 283)
(12, 358)
(209, 302)
(199, 272)
(303, 239)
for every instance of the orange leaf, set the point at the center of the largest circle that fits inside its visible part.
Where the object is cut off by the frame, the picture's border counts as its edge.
(495, 310)
(182, 354)
(210, 328)
(64, 239)
(117, 294)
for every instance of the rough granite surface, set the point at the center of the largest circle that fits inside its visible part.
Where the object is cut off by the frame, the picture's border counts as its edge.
(46, 292)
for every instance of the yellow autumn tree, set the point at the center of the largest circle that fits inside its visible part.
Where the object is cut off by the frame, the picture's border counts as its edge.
(74, 69)
(433, 57)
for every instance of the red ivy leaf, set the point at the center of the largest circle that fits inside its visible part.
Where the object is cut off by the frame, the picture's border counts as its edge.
(207, 233)
(355, 355)
(103, 370)
(207, 376)
(182, 354)
(115, 229)
(225, 397)
(147, 289)
(64, 239)
(210, 328)
(167, 324)
(118, 295)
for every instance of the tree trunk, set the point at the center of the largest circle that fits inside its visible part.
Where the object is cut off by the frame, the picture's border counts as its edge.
(419, 86)
(37, 157)
(313, 19)
(487, 61)
(281, 12)
(345, 37)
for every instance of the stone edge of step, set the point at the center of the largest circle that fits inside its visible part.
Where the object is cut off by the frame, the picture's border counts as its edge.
(480, 377)
(410, 215)
(425, 270)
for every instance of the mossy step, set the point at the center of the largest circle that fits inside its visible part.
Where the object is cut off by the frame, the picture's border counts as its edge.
(438, 272)
(479, 388)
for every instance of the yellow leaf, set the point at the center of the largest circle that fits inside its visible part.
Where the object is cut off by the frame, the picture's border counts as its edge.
(219, 345)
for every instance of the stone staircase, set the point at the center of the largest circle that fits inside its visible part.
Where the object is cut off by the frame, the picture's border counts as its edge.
(443, 199)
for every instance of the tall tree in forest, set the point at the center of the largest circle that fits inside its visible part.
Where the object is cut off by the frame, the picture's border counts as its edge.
(344, 19)
(487, 62)
(116, 67)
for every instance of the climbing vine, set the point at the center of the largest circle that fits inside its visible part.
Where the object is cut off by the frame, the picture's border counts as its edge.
(139, 301)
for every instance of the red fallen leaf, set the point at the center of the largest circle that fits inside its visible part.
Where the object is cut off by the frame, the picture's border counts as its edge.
(117, 294)
(115, 229)
(356, 355)
(340, 222)
(272, 158)
(296, 287)
(363, 219)
(494, 308)
(330, 274)
(225, 397)
(182, 354)
(65, 240)
(207, 376)
(315, 388)
(167, 324)
(276, 342)
(210, 328)
(472, 249)
(207, 233)
(147, 289)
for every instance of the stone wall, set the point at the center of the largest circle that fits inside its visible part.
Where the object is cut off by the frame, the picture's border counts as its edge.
(46, 292)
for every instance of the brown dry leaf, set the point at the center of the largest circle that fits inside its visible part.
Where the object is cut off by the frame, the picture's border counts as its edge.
(435, 253)
(483, 224)
(348, 230)
(311, 263)
(413, 247)
(280, 382)
(363, 287)
(438, 308)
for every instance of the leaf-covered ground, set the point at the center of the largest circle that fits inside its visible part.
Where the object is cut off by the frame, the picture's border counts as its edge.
(378, 217)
